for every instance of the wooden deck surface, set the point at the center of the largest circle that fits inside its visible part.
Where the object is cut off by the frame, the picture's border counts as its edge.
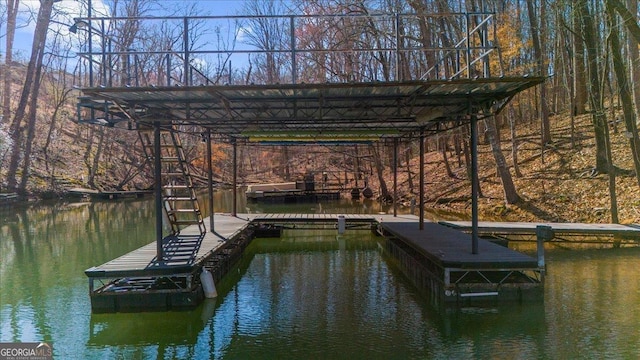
(452, 248)
(445, 245)
(181, 253)
(559, 228)
(284, 217)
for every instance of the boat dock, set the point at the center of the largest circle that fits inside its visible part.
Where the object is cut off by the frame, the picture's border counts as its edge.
(107, 195)
(615, 234)
(437, 258)
(7, 199)
(137, 281)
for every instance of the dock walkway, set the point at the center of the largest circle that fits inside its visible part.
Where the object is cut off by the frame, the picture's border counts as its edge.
(438, 258)
(575, 232)
(182, 252)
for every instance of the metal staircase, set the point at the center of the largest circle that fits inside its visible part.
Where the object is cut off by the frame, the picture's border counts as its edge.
(178, 192)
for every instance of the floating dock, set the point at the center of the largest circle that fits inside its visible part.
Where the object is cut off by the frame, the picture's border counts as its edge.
(289, 193)
(107, 195)
(437, 259)
(615, 234)
(136, 281)
(7, 199)
(440, 259)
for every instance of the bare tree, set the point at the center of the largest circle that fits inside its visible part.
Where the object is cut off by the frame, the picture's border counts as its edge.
(28, 100)
(624, 87)
(12, 13)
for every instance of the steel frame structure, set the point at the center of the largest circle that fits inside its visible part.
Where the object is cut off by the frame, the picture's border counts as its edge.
(451, 84)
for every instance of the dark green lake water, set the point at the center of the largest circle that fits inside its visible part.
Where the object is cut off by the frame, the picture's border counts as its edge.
(309, 294)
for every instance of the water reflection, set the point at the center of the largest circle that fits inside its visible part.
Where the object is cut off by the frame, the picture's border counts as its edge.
(311, 293)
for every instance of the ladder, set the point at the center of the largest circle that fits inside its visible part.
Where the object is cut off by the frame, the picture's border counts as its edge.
(178, 192)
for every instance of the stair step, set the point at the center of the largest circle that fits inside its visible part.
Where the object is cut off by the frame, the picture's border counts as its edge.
(184, 211)
(177, 187)
(186, 222)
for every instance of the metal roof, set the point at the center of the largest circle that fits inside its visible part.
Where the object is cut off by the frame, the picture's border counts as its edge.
(308, 112)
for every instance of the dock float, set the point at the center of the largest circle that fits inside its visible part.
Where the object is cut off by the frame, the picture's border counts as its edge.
(615, 234)
(137, 282)
(437, 259)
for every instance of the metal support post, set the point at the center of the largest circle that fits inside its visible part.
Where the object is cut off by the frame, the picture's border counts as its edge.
(157, 177)
(210, 181)
(543, 233)
(421, 197)
(474, 184)
(185, 48)
(234, 210)
(294, 71)
(395, 177)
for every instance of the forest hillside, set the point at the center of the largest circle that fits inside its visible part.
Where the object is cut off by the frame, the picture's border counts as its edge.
(565, 150)
(559, 184)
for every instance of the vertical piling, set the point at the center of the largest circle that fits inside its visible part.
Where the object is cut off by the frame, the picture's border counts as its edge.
(210, 181)
(421, 200)
(395, 177)
(474, 183)
(543, 233)
(157, 177)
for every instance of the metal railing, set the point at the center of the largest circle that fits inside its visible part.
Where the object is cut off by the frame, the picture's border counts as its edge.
(206, 50)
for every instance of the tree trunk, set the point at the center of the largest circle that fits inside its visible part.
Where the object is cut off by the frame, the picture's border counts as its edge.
(12, 13)
(407, 159)
(96, 160)
(624, 89)
(579, 72)
(514, 141)
(510, 194)
(595, 97)
(379, 166)
(32, 82)
(540, 64)
(443, 146)
(634, 53)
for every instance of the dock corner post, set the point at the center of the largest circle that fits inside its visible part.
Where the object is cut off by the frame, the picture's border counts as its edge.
(210, 181)
(543, 233)
(157, 178)
(395, 177)
(421, 199)
(474, 184)
(234, 210)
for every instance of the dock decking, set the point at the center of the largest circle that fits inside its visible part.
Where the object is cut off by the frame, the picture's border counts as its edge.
(452, 248)
(563, 231)
(439, 256)
(182, 252)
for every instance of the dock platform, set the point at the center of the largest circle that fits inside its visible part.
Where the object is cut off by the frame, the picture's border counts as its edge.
(440, 259)
(437, 258)
(107, 195)
(615, 234)
(137, 281)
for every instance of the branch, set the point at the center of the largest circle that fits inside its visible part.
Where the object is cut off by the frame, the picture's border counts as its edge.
(627, 18)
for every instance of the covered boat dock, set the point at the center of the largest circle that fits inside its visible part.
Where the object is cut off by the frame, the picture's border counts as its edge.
(454, 87)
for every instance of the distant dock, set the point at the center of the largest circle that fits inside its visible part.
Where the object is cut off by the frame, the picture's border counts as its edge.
(7, 199)
(107, 195)
(289, 192)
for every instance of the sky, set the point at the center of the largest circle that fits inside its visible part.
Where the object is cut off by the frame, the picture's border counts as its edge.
(69, 9)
